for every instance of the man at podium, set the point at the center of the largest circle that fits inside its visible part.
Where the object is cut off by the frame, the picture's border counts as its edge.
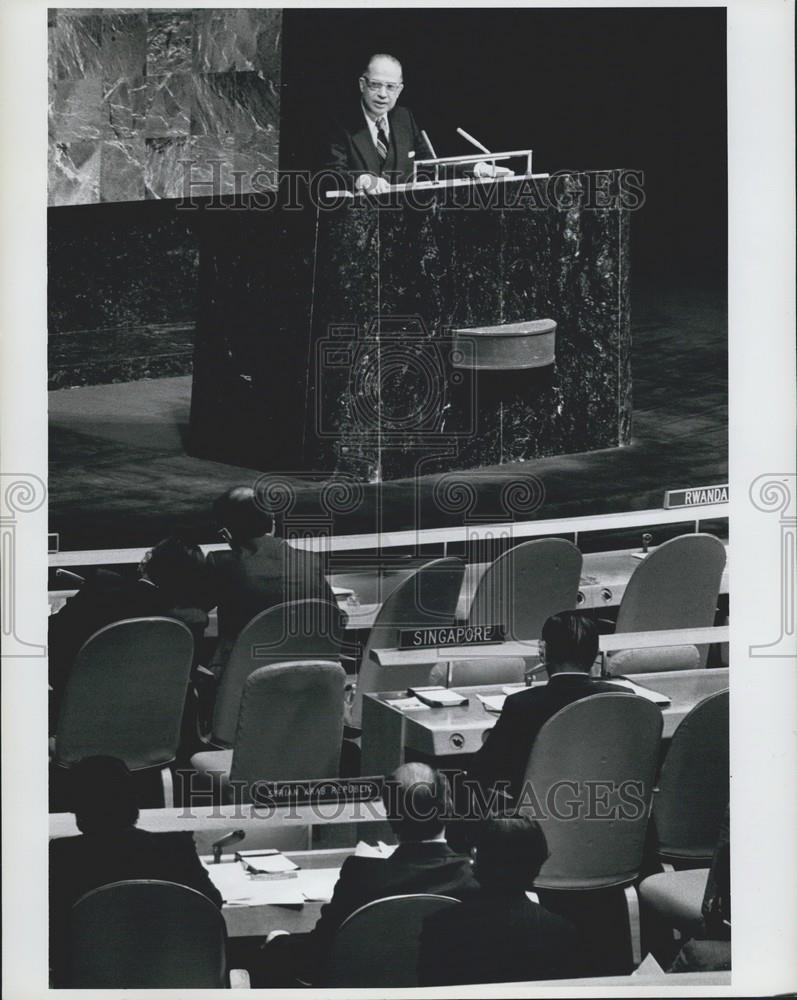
(374, 145)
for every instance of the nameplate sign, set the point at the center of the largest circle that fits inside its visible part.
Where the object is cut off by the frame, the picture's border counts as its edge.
(450, 635)
(698, 496)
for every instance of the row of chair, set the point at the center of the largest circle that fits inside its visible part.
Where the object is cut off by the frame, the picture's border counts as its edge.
(149, 934)
(675, 586)
(608, 741)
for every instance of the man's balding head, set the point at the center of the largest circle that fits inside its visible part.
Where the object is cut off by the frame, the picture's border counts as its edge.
(380, 84)
(417, 801)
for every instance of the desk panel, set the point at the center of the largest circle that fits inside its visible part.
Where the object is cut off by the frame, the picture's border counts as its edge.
(441, 732)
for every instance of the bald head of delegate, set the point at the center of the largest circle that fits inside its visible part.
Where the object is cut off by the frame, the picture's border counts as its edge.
(381, 83)
(417, 802)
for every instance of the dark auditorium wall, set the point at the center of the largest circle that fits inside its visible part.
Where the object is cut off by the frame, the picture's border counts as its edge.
(121, 293)
(586, 89)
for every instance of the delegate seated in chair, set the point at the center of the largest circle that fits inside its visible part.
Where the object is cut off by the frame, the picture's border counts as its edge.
(171, 583)
(259, 571)
(499, 935)
(417, 801)
(568, 648)
(111, 849)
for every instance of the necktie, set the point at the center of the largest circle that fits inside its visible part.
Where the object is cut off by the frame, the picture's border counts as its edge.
(381, 138)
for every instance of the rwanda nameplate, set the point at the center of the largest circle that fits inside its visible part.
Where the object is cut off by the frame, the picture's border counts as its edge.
(699, 496)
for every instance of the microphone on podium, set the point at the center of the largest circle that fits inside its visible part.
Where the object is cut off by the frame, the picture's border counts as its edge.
(474, 142)
(429, 145)
(484, 170)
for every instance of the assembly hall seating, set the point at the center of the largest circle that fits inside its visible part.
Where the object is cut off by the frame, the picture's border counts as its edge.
(279, 716)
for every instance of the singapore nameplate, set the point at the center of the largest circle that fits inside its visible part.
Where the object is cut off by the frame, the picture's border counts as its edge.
(450, 635)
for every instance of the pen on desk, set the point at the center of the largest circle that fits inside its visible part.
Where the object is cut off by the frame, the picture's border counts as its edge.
(271, 876)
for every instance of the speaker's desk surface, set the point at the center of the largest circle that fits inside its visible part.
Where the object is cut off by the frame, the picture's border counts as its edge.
(389, 732)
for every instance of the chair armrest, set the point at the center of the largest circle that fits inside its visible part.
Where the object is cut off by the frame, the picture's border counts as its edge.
(239, 979)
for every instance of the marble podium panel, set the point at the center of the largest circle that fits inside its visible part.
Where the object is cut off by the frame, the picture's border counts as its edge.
(356, 367)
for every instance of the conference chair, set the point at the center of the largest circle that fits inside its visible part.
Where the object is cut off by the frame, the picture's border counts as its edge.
(148, 934)
(694, 786)
(481, 670)
(674, 586)
(589, 780)
(290, 728)
(426, 598)
(299, 630)
(675, 899)
(526, 585)
(125, 696)
(377, 946)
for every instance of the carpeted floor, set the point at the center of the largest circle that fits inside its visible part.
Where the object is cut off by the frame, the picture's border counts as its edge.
(119, 474)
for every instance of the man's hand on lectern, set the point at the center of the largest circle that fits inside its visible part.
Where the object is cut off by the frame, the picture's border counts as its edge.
(484, 169)
(371, 184)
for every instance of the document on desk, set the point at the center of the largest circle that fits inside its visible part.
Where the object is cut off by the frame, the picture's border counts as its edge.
(654, 696)
(492, 702)
(239, 889)
(318, 884)
(406, 704)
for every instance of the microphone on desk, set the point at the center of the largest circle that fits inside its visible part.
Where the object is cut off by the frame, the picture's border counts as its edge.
(227, 841)
(65, 574)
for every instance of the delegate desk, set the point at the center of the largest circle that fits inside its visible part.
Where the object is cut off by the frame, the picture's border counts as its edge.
(389, 732)
(255, 908)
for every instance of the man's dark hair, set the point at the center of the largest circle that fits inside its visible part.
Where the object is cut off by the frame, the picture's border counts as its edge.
(510, 853)
(417, 801)
(237, 510)
(571, 639)
(102, 795)
(177, 568)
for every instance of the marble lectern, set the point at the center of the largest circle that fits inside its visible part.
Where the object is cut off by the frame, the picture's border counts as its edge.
(367, 328)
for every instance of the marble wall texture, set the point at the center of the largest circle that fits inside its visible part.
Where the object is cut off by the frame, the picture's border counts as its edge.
(137, 95)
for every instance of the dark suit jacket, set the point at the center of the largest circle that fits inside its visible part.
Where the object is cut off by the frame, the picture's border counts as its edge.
(245, 584)
(496, 938)
(412, 868)
(79, 864)
(351, 150)
(106, 597)
(505, 752)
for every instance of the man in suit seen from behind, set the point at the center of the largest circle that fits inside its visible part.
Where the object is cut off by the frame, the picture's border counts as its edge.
(568, 648)
(417, 801)
(111, 848)
(499, 935)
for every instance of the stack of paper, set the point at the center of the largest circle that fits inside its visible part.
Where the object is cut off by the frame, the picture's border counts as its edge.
(406, 704)
(439, 697)
(239, 889)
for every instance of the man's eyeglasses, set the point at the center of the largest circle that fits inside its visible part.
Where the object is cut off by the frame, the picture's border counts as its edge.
(374, 86)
